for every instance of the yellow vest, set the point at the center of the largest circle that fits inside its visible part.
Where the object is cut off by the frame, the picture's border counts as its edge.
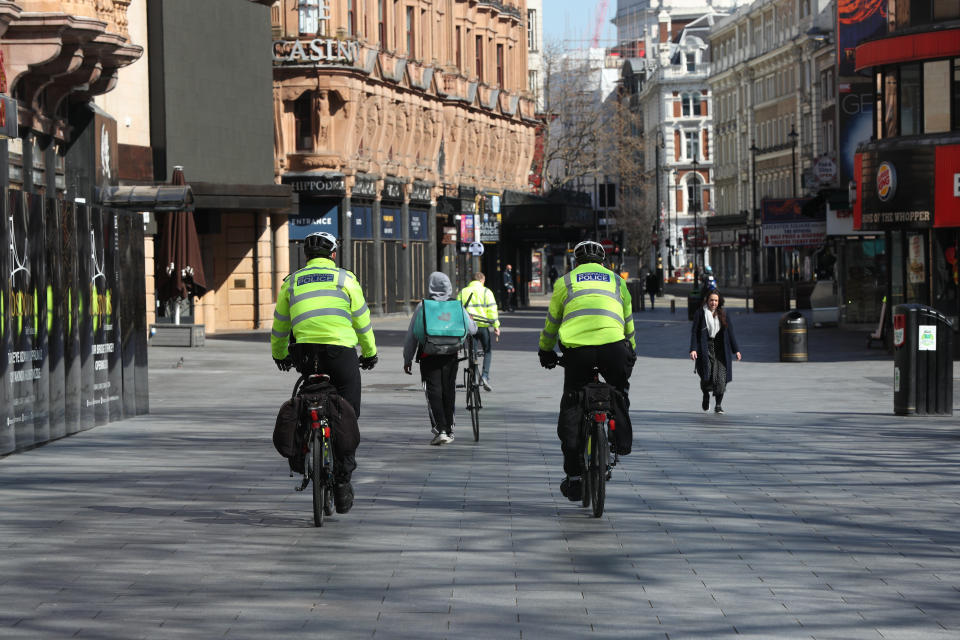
(322, 304)
(590, 306)
(482, 305)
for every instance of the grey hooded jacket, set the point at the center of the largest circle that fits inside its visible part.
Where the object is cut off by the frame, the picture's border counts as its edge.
(439, 288)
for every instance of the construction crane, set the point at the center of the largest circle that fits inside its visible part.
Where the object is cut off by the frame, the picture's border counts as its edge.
(598, 24)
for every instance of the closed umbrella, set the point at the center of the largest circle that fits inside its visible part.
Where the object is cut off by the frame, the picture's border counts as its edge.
(179, 263)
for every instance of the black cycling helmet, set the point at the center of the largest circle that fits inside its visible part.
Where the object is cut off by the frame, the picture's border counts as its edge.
(588, 251)
(319, 245)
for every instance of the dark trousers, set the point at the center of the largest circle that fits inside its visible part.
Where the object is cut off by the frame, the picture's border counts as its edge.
(615, 362)
(439, 375)
(340, 363)
(483, 344)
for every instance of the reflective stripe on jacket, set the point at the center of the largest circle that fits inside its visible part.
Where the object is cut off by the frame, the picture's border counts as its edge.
(322, 304)
(590, 306)
(482, 305)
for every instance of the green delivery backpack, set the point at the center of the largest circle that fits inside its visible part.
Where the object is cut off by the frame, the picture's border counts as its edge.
(440, 327)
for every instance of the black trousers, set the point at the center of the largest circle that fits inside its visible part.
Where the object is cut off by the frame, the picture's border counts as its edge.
(439, 375)
(340, 363)
(615, 362)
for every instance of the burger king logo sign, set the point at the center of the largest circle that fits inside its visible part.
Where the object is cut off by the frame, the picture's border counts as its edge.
(886, 181)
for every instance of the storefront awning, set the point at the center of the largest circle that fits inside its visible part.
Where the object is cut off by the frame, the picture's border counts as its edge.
(148, 198)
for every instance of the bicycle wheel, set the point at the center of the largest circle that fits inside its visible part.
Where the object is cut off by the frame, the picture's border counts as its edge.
(598, 469)
(317, 478)
(475, 412)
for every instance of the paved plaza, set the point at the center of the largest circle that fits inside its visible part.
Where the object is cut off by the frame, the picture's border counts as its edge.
(808, 510)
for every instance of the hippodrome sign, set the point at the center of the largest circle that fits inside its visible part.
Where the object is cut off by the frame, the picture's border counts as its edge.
(316, 51)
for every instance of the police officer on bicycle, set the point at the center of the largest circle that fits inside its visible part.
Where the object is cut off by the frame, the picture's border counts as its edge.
(323, 306)
(481, 304)
(591, 314)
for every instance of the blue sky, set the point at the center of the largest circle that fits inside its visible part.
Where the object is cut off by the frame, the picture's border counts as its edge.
(573, 22)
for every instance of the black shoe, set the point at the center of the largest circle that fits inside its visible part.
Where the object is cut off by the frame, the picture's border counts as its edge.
(718, 409)
(571, 488)
(343, 497)
(706, 401)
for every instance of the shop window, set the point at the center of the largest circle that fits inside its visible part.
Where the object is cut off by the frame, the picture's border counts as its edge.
(910, 100)
(936, 102)
(955, 94)
(946, 10)
(303, 116)
(890, 111)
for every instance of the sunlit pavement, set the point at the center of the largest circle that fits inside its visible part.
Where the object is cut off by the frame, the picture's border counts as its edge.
(806, 511)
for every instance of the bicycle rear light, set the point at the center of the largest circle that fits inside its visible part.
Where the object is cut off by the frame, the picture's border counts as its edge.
(613, 425)
(599, 416)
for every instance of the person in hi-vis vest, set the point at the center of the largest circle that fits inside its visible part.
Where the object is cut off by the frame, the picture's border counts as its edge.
(591, 316)
(323, 307)
(481, 304)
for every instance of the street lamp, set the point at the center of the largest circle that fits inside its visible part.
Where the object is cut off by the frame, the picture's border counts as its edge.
(695, 201)
(656, 149)
(675, 225)
(793, 155)
(753, 183)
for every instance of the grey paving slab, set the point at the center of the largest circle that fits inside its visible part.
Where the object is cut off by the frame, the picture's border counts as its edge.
(807, 511)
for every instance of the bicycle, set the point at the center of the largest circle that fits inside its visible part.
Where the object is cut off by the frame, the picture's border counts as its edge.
(596, 432)
(317, 449)
(471, 382)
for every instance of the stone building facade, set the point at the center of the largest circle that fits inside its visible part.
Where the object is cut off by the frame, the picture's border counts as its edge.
(384, 110)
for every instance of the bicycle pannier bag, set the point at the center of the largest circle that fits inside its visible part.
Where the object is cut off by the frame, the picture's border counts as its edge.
(285, 437)
(600, 397)
(440, 327)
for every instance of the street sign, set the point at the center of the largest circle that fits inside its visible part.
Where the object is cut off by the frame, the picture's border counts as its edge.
(607, 244)
(476, 249)
(825, 170)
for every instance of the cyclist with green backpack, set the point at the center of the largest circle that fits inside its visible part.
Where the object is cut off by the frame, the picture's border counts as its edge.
(437, 330)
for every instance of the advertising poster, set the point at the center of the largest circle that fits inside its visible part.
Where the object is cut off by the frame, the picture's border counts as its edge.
(389, 223)
(466, 229)
(70, 307)
(85, 240)
(857, 20)
(916, 267)
(784, 223)
(56, 297)
(38, 330)
(23, 362)
(7, 443)
(101, 314)
(360, 226)
(418, 224)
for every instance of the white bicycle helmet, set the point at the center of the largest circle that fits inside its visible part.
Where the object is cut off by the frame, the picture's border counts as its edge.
(319, 245)
(589, 251)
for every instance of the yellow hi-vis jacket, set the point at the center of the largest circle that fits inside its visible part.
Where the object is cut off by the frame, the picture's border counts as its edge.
(482, 305)
(590, 306)
(322, 304)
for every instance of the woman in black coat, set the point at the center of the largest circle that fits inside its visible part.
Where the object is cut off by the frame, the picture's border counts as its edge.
(712, 347)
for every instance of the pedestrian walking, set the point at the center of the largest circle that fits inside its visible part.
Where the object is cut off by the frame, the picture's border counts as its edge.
(438, 361)
(554, 274)
(653, 285)
(712, 348)
(509, 289)
(481, 304)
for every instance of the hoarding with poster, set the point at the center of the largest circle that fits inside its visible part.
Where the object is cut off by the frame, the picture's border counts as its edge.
(787, 223)
(466, 229)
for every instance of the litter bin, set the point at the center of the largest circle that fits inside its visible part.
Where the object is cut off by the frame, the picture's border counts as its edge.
(793, 337)
(694, 302)
(922, 361)
(635, 287)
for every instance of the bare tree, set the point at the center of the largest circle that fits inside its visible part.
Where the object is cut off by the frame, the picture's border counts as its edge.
(574, 119)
